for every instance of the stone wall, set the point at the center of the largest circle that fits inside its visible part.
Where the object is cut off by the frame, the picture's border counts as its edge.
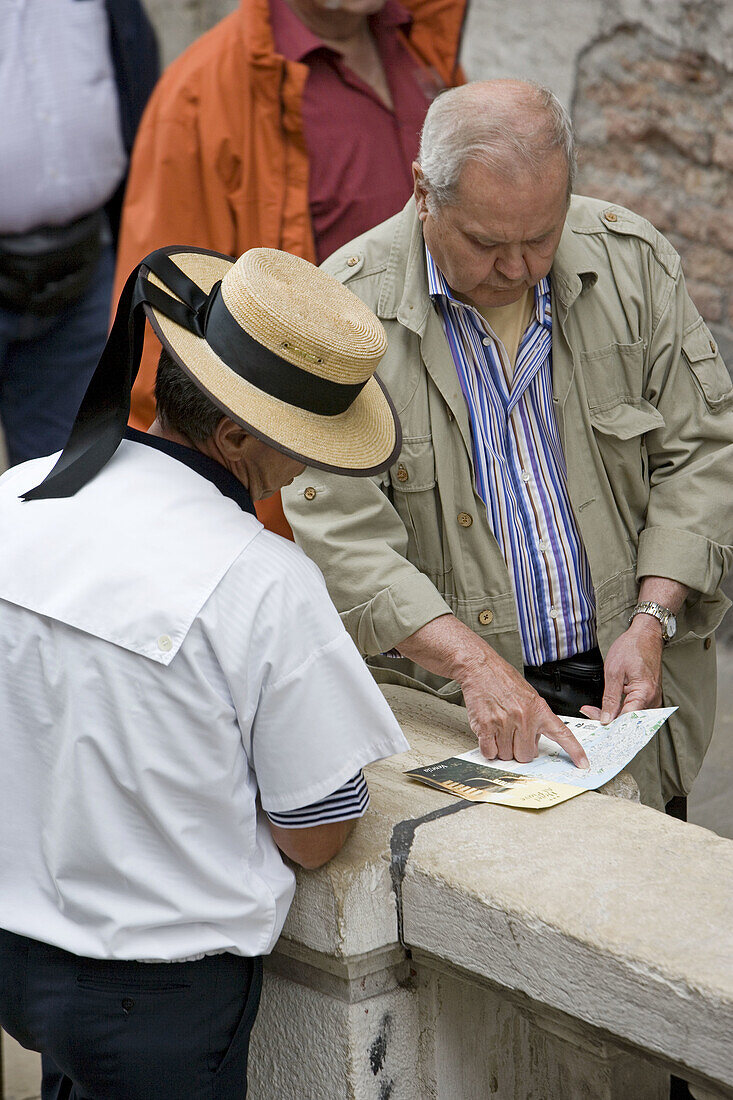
(455, 950)
(178, 22)
(655, 129)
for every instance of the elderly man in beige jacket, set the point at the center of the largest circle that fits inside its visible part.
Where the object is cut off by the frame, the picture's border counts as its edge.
(561, 511)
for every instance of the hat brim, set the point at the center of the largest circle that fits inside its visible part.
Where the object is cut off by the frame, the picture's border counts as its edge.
(362, 441)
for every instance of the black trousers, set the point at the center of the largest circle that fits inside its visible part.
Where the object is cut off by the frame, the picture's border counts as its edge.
(130, 1031)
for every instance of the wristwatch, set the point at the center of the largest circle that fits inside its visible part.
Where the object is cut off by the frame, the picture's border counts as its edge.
(663, 614)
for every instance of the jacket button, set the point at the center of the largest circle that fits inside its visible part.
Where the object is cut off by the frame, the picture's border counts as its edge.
(610, 216)
(713, 348)
(352, 261)
(309, 493)
(485, 617)
(464, 519)
(165, 643)
(708, 642)
(402, 474)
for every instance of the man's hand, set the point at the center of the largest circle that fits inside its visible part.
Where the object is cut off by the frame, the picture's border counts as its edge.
(508, 716)
(632, 671)
(505, 713)
(633, 667)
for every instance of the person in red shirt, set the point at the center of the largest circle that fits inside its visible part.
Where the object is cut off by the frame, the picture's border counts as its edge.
(292, 124)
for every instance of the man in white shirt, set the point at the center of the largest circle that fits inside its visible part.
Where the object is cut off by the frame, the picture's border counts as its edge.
(179, 696)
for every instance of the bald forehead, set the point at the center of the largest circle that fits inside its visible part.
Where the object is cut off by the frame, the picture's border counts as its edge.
(509, 173)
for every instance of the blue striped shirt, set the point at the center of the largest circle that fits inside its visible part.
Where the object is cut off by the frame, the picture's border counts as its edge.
(520, 472)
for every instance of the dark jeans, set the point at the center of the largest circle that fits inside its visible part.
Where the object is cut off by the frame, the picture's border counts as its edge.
(46, 364)
(127, 1030)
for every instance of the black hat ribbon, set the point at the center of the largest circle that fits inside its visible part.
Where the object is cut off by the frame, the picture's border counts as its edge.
(103, 414)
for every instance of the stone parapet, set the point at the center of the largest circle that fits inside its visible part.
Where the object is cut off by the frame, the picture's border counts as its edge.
(467, 950)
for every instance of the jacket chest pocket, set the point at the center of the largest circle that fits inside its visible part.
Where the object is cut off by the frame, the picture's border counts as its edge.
(414, 494)
(707, 367)
(621, 418)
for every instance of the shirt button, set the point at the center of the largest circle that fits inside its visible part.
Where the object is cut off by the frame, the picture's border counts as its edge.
(542, 546)
(464, 519)
(486, 341)
(309, 493)
(524, 476)
(554, 613)
(402, 474)
(165, 643)
(485, 617)
(352, 261)
(610, 216)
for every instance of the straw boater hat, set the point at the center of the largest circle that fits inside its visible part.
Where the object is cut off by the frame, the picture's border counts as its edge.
(277, 344)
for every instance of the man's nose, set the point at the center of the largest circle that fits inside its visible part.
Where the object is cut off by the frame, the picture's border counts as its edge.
(510, 263)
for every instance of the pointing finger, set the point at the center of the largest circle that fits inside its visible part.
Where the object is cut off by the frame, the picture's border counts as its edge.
(562, 736)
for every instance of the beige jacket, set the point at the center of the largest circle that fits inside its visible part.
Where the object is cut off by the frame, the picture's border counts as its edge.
(644, 406)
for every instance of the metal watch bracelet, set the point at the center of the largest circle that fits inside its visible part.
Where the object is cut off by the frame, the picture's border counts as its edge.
(662, 614)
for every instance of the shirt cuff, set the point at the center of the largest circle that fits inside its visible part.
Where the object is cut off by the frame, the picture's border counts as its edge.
(348, 802)
(681, 556)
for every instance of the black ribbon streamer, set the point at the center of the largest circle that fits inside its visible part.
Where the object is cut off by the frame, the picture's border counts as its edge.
(102, 418)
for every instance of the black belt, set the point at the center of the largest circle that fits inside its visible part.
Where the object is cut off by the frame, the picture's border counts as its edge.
(569, 684)
(47, 269)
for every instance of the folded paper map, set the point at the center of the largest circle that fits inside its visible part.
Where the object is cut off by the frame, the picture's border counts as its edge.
(551, 777)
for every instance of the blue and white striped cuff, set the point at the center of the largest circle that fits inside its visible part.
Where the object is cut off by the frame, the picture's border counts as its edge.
(347, 802)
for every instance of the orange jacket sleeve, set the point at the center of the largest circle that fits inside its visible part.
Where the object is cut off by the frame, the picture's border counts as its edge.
(168, 201)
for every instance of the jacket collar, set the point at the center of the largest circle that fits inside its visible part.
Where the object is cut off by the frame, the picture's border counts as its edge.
(571, 273)
(404, 296)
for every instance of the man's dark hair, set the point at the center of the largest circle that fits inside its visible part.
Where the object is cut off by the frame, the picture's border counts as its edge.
(180, 404)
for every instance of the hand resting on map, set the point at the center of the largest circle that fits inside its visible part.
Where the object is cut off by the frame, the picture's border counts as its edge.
(504, 711)
(632, 670)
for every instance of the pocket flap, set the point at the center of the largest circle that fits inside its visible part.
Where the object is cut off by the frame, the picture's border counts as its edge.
(625, 420)
(414, 471)
(704, 360)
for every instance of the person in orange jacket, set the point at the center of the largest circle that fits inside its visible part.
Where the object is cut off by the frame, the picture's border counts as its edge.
(291, 124)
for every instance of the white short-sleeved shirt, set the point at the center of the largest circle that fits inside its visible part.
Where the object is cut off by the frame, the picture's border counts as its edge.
(168, 670)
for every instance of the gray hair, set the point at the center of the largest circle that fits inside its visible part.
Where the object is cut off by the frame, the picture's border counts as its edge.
(501, 124)
(181, 405)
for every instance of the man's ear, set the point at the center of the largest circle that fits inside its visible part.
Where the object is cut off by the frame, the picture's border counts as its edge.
(420, 191)
(230, 438)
